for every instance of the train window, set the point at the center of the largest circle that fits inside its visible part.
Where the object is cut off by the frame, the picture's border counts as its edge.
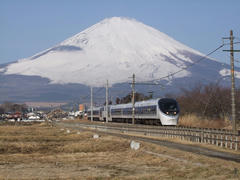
(153, 109)
(95, 112)
(116, 111)
(146, 110)
(128, 111)
(168, 105)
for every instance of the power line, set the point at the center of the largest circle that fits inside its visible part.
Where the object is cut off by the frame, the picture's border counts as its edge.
(237, 38)
(99, 90)
(171, 74)
(94, 93)
(182, 69)
(217, 81)
(230, 43)
(236, 60)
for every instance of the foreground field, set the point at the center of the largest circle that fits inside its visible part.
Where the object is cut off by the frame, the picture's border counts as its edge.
(43, 152)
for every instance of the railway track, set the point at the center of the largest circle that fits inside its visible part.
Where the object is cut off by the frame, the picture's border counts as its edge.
(116, 130)
(153, 127)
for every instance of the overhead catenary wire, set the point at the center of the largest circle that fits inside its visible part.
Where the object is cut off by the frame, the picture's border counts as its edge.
(149, 82)
(182, 69)
(235, 60)
(172, 74)
(238, 62)
(233, 43)
(88, 96)
(237, 38)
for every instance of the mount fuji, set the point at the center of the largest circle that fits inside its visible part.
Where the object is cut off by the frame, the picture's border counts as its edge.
(113, 50)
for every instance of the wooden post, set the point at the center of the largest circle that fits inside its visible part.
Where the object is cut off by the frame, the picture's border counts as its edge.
(221, 140)
(208, 138)
(202, 139)
(236, 143)
(91, 104)
(133, 100)
(231, 143)
(226, 141)
(107, 102)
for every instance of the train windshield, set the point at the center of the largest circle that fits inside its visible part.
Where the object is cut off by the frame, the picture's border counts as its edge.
(168, 106)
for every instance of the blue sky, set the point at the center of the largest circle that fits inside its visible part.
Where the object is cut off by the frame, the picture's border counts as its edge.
(30, 26)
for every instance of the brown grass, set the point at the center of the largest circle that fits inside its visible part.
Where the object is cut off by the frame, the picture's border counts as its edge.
(37, 139)
(42, 152)
(192, 120)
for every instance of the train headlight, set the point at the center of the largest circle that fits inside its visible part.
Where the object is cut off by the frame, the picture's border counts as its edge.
(175, 113)
(166, 112)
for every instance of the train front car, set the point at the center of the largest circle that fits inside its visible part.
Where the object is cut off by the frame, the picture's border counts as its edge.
(168, 111)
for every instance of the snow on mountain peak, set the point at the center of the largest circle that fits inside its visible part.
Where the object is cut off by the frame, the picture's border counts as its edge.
(112, 49)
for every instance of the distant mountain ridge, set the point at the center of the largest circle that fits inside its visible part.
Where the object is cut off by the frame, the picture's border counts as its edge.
(113, 50)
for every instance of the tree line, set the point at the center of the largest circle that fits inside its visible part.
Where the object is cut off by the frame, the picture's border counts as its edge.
(8, 107)
(211, 101)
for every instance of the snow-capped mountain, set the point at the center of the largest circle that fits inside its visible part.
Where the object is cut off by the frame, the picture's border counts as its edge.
(113, 50)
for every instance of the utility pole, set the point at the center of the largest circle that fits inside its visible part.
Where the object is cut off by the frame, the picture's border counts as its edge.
(234, 127)
(91, 104)
(107, 102)
(233, 84)
(133, 99)
(133, 94)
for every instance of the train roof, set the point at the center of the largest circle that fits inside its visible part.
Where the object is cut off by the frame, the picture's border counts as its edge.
(150, 102)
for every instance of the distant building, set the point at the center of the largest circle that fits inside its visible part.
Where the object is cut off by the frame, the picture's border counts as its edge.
(81, 107)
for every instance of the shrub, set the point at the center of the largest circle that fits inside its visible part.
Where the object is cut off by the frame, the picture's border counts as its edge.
(211, 101)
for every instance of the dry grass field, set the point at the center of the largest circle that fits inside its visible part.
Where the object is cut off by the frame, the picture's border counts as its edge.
(43, 152)
(192, 120)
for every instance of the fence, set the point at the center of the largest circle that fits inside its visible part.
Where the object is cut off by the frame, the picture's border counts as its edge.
(222, 138)
(218, 137)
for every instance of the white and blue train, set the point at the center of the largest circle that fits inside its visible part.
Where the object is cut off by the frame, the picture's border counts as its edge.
(164, 111)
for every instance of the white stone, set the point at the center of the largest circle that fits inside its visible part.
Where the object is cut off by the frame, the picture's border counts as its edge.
(95, 136)
(135, 145)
